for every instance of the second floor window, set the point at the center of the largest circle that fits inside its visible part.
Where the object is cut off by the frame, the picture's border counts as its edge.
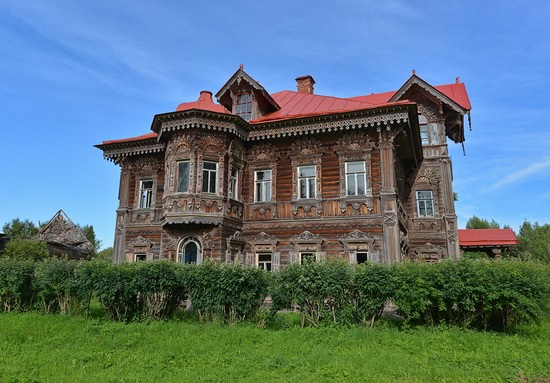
(262, 184)
(425, 203)
(243, 106)
(234, 183)
(145, 193)
(355, 178)
(306, 181)
(428, 134)
(209, 175)
(183, 177)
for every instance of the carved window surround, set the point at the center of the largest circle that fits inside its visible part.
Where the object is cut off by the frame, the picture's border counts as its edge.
(358, 242)
(234, 248)
(303, 152)
(306, 242)
(264, 243)
(139, 245)
(428, 180)
(429, 253)
(236, 161)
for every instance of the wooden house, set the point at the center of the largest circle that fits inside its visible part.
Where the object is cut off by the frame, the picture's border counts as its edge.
(274, 178)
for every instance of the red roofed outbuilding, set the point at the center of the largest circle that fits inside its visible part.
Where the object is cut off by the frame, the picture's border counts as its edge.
(490, 241)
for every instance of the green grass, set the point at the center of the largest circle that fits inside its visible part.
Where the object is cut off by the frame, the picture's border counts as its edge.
(55, 348)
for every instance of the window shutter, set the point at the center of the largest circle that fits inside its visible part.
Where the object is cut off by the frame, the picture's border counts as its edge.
(249, 258)
(129, 257)
(321, 255)
(227, 256)
(293, 256)
(276, 261)
(150, 256)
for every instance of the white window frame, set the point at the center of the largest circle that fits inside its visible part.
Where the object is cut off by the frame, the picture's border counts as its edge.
(183, 244)
(136, 255)
(244, 109)
(188, 176)
(310, 191)
(355, 176)
(264, 194)
(146, 194)
(263, 264)
(423, 203)
(429, 133)
(234, 183)
(210, 188)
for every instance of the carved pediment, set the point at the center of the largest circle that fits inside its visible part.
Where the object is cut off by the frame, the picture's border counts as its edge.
(357, 236)
(306, 147)
(263, 152)
(306, 236)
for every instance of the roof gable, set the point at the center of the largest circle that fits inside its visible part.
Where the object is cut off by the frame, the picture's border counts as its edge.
(226, 93)
(61, 230)
(454, 95)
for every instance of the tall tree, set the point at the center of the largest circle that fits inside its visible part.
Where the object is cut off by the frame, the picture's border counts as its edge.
(481, 223)
(20, 229)
(534, 242)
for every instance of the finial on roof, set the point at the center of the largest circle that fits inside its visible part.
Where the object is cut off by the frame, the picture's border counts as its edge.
(414, 72)
(458, 80)
(241, 67)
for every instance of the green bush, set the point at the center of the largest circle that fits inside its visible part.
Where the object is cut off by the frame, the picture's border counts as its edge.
(228, 292)
(373, 285)
(60, 286)
(25, 249)
(322, 291)
(161, 286)
(115, 288)
(16, 287)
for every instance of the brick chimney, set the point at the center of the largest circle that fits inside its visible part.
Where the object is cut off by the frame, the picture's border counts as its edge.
(304, 84)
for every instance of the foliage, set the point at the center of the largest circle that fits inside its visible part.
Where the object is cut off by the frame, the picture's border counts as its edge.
(229, 292)
(105, 254)
(161, 286)
(20, 248)
(482, 294)
(60, 286)
(20, 229)
(115, 288)
(16, 287)
(481, 223)
(374, 284)
(321, 290)
(534, 242)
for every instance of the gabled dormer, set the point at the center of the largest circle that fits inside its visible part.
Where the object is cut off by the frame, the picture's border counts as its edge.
(245, 97)
(450, 102)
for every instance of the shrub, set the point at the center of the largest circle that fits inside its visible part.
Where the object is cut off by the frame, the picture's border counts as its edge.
(373, 285)
(16, 288)
(229, 292)
(60, 286)
(321, 290)
(114, 287)
(161, 286)
(29, 249)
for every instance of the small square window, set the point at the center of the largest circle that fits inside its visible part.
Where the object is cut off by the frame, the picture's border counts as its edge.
(140, 257)
(309, 257)
(362, 257)
(265, 261)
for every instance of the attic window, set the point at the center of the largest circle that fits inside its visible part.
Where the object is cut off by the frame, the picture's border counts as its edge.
(243, 106)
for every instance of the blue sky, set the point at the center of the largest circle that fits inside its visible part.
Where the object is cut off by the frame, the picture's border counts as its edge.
(75, 73)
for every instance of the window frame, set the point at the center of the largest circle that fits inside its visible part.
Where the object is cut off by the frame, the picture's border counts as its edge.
(181, 162)
(423, 201)
(145, 201)
(265, 185)
(244, 109)
(311, 190)
(355, 176)
(307, 256)
(262, 264)
(234, 184)
(211, 175)
(181, 250)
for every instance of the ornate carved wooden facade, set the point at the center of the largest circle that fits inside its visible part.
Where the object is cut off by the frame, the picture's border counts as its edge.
(292, 177)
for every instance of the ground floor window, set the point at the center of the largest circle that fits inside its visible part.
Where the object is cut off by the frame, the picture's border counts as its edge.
(362, 257)
(264, 261)
(189, 251)
(140, 257)
(308, 257)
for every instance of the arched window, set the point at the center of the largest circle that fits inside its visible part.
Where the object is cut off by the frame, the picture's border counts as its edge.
(190, 251)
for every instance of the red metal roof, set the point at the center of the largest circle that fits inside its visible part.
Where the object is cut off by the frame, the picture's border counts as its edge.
(204, 102)
(456, 92)
(138, 138)
(486, 237)
(296, 104)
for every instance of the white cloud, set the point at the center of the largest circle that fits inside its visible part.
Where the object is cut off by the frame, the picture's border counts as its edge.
(523, 173)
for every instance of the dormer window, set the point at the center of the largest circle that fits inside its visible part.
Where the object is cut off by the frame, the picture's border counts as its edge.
(243, 106)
